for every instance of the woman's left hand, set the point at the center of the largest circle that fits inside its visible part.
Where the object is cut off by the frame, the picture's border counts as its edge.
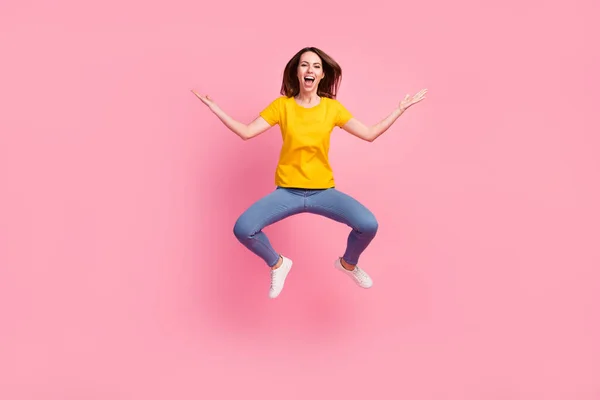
(409, 101)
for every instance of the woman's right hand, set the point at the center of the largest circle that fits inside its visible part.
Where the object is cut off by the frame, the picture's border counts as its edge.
(205, 99)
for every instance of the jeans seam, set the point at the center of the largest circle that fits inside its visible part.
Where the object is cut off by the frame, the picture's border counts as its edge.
(255, 231)
(265, 246)
(262, 222)
(334, 211)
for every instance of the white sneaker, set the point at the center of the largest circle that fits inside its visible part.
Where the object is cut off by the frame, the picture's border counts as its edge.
(278, 276)
(359, 276)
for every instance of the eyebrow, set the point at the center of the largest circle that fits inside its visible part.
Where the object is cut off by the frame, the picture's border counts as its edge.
(317, 63)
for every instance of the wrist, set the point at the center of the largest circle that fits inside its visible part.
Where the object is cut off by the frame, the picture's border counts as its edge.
(214, 108)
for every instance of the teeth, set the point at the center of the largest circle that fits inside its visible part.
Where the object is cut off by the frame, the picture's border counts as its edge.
(309, 78)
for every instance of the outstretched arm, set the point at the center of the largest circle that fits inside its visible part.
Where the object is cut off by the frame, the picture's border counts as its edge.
(370, 133)
(244, 131)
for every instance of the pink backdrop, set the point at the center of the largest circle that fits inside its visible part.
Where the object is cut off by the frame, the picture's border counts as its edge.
(121, 277)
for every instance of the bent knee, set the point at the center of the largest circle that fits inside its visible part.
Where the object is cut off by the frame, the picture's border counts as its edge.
(241, 229)
(369, 226)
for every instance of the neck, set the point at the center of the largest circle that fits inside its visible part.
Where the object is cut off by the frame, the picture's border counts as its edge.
(307, 97)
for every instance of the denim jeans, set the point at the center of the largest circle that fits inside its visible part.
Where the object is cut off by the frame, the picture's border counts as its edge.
(285, 202)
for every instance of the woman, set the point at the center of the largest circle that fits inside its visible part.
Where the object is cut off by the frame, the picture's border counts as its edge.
(306, 113)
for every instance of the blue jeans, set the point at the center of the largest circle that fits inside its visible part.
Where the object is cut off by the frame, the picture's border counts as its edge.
(285, 202)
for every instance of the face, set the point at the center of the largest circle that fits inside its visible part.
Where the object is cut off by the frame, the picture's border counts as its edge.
(310, 71)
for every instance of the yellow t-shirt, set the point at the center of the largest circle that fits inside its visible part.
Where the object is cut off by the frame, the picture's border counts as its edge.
(304, 158)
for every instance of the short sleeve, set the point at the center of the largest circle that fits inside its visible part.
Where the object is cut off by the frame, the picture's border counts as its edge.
(272, 111)
(342, 115)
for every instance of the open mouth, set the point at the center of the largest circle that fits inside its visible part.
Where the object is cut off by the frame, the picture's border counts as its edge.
(309, 79)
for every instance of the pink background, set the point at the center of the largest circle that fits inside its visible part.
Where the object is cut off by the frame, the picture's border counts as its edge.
(121, 277)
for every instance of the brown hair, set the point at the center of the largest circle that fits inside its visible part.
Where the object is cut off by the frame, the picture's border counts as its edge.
(328, 86)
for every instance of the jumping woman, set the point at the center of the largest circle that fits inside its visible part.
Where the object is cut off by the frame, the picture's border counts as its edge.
(306, 112)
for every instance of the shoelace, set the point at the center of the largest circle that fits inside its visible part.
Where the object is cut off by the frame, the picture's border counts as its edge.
(359, 274)
(274, 274)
